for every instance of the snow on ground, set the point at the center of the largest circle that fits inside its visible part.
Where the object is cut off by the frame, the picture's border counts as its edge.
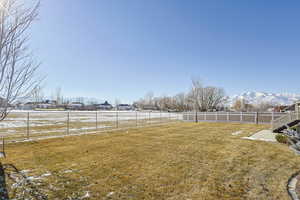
(237, 133)
(263, 135)
(41, 122)
(24, 185)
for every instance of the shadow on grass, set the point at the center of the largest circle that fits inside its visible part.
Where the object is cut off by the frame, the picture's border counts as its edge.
(3, 189)
(22, 187)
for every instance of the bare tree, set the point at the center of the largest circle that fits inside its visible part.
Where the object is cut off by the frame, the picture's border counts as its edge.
(205, 98)
(37, 94)
(178, 102)
(58, 97)
(17, 66)
(181, 102)
(92, 101)
(264, 106)
(198, 98)
(79, 100)
(149, 98)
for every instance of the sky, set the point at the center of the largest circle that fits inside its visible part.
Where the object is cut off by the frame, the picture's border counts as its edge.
(123, 49)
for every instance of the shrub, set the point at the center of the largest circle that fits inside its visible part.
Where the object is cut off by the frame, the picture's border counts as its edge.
(282, 138)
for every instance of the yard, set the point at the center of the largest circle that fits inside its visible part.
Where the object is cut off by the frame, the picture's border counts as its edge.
(174, 161)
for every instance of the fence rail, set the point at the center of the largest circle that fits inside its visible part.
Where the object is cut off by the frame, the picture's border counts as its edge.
(36, 124)
(242, 117)
(285, 120)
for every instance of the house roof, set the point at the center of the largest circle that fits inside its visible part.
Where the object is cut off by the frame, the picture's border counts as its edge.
(123, 105)
(105, 104)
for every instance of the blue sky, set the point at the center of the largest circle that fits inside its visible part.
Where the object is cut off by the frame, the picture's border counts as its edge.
(123, 49)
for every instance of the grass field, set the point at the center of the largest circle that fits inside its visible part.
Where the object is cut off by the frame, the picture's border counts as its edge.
(175, 162)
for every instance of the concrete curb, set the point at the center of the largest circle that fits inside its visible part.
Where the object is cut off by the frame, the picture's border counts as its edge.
(291, 186)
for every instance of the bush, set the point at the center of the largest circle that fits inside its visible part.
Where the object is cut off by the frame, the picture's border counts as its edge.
(282, 138)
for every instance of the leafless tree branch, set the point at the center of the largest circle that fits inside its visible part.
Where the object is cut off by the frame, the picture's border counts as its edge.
(17, 66)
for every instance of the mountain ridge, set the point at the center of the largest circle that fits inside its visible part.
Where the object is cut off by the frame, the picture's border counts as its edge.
(256, 98)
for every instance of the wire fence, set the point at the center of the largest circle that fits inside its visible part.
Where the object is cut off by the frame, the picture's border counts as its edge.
(241, 117)
(38, 124)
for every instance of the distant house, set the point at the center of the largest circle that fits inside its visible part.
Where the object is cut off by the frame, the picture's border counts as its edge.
(45, 106)
(48, 104)
(75, 106)
(27, 106)
(104, 106)
(90, 107)
(124, 107)
(282, 108)
(53, 102)
(293, 107)
(150, 107)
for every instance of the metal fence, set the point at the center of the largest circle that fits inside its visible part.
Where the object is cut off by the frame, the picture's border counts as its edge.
(241, 117)
(37, 124)
(40, 124)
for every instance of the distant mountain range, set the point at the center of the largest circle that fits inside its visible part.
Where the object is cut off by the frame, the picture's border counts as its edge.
(264, 97)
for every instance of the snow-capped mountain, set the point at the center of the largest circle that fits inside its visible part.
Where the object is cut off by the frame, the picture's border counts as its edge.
(264, 97)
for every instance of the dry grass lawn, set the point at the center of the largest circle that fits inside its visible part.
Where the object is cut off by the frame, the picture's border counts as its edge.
(176, 161)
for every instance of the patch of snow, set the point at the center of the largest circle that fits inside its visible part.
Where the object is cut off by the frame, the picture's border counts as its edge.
(292, 185)
(258, 139)
(237, 133)
(87, 195)
(110, 194)
(263, 135)
(68, 171)
(32, 178)
(25, 171)
(45, 175)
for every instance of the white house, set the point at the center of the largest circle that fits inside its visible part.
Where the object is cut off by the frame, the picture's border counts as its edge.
(104, 106)
(45, 106)
(124, 107)
(76, 106)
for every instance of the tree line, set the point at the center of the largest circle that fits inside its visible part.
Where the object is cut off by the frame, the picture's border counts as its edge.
(199, 97)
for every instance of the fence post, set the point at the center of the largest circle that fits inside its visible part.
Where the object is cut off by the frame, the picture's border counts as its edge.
(205, 117)
(160, 119)
(241, 116)
(96, 120)
(136, 119)
(196, 117)
(150, 117)
(216, 116)
(68, 123)
(27, 125)
(228, 116)
(3, 148)
(117, 119)
(256, 118)
(272, 116)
